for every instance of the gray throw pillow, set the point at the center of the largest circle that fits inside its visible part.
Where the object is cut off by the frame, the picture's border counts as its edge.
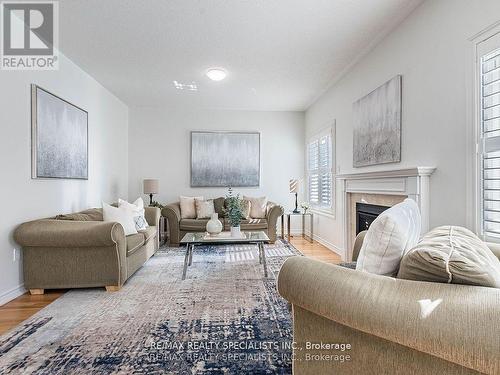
(451, 254)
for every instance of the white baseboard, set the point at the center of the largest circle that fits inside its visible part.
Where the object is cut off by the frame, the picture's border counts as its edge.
(322, 241)
(9, 295)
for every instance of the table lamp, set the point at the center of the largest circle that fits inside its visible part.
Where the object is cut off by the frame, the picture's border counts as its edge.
(151, 186)
(294, 188)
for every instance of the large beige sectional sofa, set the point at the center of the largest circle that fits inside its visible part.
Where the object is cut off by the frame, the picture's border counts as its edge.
(393, 326)
(80, 250)
(178, 227)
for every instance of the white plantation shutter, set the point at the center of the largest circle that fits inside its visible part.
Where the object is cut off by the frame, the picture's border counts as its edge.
(489, 146)
(319, 164)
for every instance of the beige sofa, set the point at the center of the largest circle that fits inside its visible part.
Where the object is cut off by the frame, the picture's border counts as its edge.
(80, 250)
(179, 227)
(394, 326)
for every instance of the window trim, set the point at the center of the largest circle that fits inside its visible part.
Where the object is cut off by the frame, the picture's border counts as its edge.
(331, 130)
(475, 193)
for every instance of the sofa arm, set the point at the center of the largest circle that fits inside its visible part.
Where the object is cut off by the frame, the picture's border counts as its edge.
(152, 215)
(457, 323)
(173, 214)
(274, 211)
(66, 233)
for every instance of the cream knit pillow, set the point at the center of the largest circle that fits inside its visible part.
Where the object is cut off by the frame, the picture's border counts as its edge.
(258, 207)
(204, 208)
(188, 207)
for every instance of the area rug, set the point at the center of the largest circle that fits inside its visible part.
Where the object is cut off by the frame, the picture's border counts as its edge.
(225, 318)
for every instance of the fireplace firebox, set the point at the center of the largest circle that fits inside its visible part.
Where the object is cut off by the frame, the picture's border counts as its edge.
(366, 214)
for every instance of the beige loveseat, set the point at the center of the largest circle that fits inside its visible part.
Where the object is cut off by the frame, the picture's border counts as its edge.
(179, 227)
(80, 250)
(393, 326)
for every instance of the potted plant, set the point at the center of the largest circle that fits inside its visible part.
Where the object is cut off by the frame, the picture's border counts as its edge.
(304, 206)
(234, 212)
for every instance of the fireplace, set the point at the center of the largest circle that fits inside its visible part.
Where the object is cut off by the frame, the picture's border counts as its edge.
(365, 214)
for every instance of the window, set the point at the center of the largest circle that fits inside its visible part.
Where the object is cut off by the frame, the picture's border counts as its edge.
(488, 63)
(319, 170)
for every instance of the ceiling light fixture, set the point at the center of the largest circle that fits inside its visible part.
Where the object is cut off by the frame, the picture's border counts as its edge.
(185, 86)
(216, 74)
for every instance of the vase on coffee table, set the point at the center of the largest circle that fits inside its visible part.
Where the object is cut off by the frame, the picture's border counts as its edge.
(214, 226)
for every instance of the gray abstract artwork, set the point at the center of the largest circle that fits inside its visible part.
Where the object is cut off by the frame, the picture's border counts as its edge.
(225, 159)
(377, 125)
(59, 137)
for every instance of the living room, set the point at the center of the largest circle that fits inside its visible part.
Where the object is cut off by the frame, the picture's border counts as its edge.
(250, 187)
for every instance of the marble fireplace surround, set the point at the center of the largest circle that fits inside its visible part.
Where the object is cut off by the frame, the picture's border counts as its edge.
(385, 188)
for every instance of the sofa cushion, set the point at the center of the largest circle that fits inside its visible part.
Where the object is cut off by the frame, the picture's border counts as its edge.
(204, 208)
(450, 254)
(188, 207)
(92, 214)
(134, 242)
(390, 236)
(258, 207)
(148, 233)
(122, 215)
(219, 205)
(249, 224)
(137, 208)
(193, 225)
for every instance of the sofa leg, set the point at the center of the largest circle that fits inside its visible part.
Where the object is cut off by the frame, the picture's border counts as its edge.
(112, 288)
(35, 292)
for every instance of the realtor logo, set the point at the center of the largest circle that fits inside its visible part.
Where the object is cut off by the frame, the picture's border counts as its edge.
(29, 35)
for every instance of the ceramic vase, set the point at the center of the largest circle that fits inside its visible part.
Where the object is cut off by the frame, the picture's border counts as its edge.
(214, 226)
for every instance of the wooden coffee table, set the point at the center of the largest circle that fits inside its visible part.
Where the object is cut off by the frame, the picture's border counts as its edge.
(258, 238)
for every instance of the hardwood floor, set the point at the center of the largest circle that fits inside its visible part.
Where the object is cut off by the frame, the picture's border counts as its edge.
(21, 308)
(315, 250)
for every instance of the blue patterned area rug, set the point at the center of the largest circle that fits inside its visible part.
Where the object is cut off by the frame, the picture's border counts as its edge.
(225, 318)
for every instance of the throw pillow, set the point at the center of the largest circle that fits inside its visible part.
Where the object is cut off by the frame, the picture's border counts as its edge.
(450, 254)
(188, 207)
(257, 207)
(392, 233)
(245, 209)
(204, 208)
(137, 209)
(122, 215)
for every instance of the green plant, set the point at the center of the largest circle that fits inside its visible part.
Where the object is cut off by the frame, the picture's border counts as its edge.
(234, 209)
(156, 204)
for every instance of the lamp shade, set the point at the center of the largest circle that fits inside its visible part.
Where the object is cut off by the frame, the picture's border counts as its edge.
(151, 186)
(294, 186)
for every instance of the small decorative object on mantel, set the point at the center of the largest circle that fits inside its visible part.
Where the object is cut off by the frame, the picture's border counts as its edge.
(234, 212)
(377, 125)
(214, 226)
(151, 186)
(294, 188)
(304, 206)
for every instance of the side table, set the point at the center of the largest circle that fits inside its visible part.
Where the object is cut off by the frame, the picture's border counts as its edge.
(303, 215)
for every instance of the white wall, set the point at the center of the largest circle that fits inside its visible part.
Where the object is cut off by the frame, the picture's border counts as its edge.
(160, 148)
(24, 198)
(430, 49)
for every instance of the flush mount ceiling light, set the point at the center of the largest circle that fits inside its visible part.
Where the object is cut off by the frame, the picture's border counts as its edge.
(216, 74)
(185, 86)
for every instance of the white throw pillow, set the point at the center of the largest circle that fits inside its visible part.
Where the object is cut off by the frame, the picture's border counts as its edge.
(393, 233)
(188, 207)
(137, 209)
(258, 207)
(204, 208)
(122, 215)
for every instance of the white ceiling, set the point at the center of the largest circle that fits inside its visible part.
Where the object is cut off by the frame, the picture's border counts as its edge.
(280, 54)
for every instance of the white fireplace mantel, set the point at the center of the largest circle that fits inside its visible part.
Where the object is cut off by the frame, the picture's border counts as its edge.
(410, 182)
